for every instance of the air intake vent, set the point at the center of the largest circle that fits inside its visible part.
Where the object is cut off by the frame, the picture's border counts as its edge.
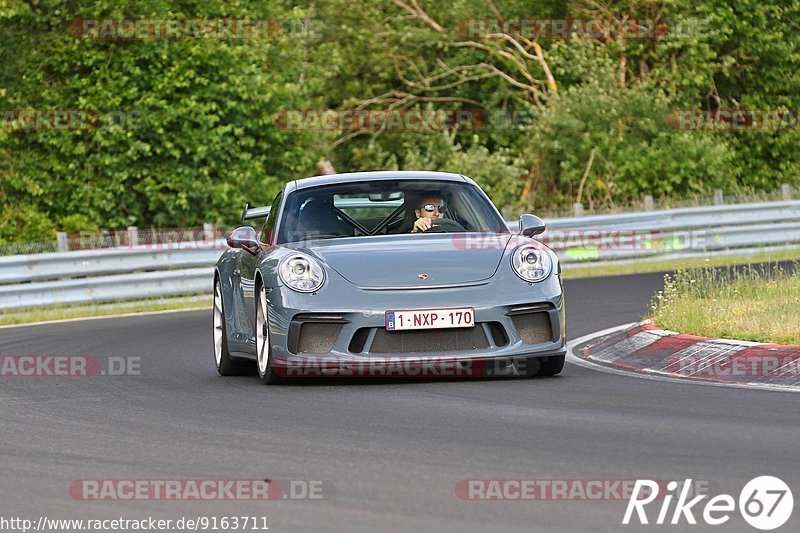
(498, 333)
(359, 341)
(440, 340)
(533, 328)
(318, 337)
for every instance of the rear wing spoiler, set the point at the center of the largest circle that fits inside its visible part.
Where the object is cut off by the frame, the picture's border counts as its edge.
(250, 213)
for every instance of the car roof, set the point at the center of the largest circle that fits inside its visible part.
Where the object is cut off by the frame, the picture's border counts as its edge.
(331, 179)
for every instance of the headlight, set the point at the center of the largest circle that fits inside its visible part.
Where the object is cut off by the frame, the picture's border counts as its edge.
(301, 273)
(531, 263)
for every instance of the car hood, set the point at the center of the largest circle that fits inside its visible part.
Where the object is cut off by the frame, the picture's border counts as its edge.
(411, 260)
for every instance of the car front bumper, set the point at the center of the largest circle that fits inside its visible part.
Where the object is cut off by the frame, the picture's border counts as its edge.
(328, 334)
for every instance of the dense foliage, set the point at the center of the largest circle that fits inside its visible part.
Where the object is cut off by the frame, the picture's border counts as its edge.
(186, 130)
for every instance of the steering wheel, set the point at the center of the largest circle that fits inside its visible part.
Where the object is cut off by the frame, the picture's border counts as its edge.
(444, 225)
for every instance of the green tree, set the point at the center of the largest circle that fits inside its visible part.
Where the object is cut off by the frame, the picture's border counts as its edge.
(184, 131)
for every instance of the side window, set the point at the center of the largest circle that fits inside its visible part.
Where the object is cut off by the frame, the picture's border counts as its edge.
(269, 226)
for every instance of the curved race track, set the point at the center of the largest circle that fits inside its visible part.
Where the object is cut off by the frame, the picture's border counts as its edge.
(390, 454)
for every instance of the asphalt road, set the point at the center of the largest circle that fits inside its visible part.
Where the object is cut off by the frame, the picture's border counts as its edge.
(389, 454)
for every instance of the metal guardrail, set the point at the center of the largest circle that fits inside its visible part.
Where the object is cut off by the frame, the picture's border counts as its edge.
(177, 269)
(106, 261)
(141, 285)
(687, 217)
(684, 232)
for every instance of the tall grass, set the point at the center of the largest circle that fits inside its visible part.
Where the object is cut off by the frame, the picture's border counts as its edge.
(753, 303)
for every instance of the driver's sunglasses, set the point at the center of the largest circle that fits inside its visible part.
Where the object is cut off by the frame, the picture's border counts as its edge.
(430, 208)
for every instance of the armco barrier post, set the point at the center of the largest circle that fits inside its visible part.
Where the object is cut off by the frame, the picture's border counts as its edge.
(63, 244)
(133, 236)
(578, 207)
(719, 198)
(208, 232)
(648, 203)
(786, 192)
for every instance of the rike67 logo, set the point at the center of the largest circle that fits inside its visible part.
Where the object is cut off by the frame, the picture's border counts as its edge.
(765, 503)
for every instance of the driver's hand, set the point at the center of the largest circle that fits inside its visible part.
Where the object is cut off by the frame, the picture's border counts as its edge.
(421, 224)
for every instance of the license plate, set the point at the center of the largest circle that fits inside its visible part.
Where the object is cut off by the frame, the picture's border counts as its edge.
(461, 317)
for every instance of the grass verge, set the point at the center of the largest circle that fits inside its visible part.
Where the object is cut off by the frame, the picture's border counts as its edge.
(105, 309)
(753, 303)
(577, 270)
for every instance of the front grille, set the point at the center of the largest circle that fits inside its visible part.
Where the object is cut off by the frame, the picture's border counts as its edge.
(318, 337)
(533, 328)
(436, 340)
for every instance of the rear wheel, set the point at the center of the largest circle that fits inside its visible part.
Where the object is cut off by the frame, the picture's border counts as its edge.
(263, 347)
(226, 365)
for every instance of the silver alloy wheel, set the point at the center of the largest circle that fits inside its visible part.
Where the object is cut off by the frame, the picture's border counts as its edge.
(262, 332)
(219, 318)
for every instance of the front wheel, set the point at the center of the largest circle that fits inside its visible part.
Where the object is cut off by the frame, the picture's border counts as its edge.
(226, 365)
(263, 347)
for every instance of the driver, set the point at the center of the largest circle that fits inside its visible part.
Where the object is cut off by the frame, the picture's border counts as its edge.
(430, 208)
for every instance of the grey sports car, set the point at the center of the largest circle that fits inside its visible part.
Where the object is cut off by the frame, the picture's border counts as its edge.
(387, 274)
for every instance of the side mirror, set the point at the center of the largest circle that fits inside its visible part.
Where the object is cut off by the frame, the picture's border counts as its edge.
(530, 225)
(244, 238)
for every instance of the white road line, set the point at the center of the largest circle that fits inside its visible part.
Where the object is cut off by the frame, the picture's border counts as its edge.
(580, 361)
(101, 317)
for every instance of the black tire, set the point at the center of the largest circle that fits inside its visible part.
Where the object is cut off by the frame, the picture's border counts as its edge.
(263, 345)
(544, 366)
(226, 365)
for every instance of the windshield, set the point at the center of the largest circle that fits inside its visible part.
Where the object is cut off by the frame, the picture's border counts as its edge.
(387, 208)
